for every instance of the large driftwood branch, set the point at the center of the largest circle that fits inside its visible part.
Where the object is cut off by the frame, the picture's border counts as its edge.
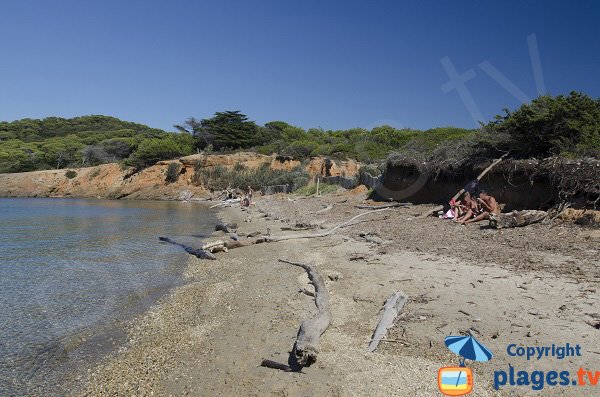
(517, 218)
(326, 233)
(306, 347)
(461, 191)
(392, 307)
(200, 253)
(378, 207)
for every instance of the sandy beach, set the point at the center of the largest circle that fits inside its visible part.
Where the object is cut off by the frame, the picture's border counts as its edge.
(532, 286)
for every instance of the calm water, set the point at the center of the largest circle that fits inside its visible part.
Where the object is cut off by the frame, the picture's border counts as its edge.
(71, 271)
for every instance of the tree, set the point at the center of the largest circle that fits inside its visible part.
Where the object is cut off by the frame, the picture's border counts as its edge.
(94, 155)
(227, 130)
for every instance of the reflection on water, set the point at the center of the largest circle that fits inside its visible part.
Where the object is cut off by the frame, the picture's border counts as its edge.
(70, 270)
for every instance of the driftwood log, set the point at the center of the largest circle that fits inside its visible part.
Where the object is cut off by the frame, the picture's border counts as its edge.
(306, 347)
(226, 228)
(325, 233)
(330, 206)
(517, 218)
(391, 309)
(200, 253)
(378, 207)
(371, 238)
(276, 365)
(461, 191)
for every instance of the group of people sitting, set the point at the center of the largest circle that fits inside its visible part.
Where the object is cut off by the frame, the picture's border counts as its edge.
(474, 206)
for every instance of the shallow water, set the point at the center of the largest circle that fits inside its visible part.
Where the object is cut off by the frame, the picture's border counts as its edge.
(71, 271)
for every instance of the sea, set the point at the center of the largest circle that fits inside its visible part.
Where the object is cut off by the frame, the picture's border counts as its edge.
(73, 272)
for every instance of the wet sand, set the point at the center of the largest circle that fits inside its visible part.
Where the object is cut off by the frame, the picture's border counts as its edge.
(533, 286)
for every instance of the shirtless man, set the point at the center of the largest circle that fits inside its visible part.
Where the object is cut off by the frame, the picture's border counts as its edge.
(488, 204)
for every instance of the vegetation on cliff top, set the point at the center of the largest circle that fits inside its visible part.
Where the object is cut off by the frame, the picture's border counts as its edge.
(567, 126)
(29, 145)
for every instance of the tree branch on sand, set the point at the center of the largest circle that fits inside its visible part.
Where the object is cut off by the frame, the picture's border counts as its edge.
(306, 347)
(392, 307)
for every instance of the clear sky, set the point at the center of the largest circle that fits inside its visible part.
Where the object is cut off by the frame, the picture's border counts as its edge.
(329, 64)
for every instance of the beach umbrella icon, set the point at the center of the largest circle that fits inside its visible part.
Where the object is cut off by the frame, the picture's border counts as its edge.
(468, 347)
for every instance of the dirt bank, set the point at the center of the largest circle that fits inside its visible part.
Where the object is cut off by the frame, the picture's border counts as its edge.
(113, 181)
(532, 287)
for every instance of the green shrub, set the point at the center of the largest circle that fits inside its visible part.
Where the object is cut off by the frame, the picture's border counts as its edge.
(552, 125)
(371, 169)
(70, 174)
(172, 172)
(94, 174)
(220, 178)
(153, 150)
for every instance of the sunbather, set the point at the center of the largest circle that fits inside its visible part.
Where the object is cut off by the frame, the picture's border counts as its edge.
(467, 208)
(488, 205)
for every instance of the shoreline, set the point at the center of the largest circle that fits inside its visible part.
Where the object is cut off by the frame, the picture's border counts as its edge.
(208, 336)
(145, 273)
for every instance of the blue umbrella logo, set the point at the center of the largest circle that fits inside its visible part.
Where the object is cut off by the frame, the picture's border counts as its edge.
(469, 348)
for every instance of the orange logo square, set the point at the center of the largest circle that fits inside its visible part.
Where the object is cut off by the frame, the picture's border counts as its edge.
(455, 381)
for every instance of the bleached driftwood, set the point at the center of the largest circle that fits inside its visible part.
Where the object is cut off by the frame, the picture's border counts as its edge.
(391, 309)
(244, 242)
(200, 253)
(517, 218)
(371, 238)
(330, 206)
(215, 246)
(226, 203)
(378, 207)
(323, 234)
(461, 191)
(306, 347)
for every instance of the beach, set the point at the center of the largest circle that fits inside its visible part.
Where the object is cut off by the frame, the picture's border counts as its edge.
(532, 286)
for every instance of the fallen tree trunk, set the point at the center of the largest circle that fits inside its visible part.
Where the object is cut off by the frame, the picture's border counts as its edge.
(378, 207)
(517, 218)
(461, 191)
(392, 307)
(200, 253)
(306, 347)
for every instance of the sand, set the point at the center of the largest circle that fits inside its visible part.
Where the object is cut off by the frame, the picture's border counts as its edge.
(533, 286)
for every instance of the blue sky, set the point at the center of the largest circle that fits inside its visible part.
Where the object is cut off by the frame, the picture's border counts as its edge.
(328, 64)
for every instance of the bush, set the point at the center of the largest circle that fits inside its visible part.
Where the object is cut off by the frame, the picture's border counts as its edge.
(371, 169)
(220, 178)
(70, 174)
(173, 172)
(153, 150)
(553, 125)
